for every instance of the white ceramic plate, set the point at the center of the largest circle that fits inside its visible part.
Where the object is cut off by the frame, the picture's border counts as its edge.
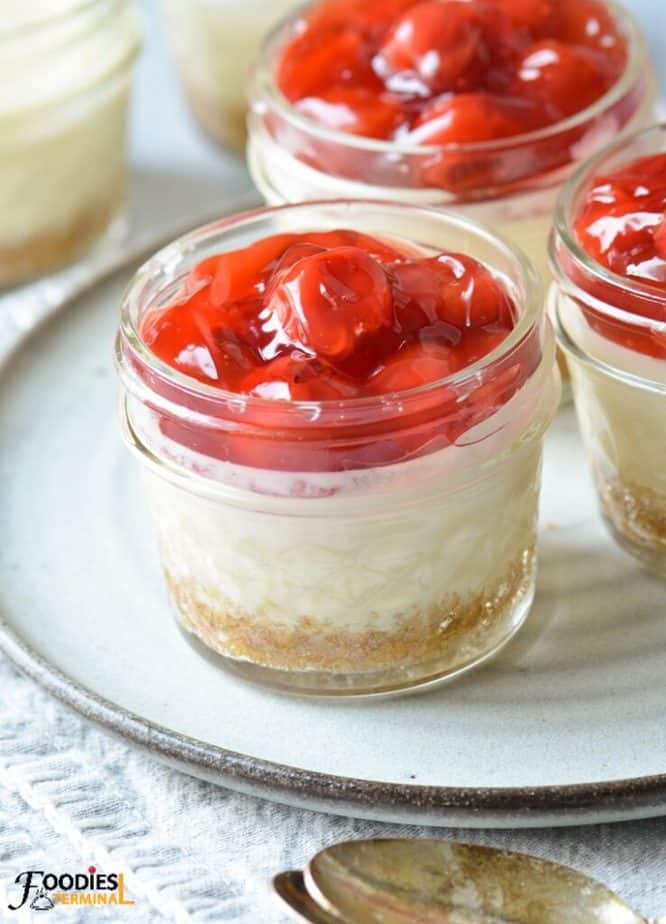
(567, 725)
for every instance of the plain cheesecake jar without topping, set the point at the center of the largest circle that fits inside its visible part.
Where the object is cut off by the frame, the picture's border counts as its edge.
(484, 112)
(359, 514)
(215, 43)
(609, 258)
(65, 74)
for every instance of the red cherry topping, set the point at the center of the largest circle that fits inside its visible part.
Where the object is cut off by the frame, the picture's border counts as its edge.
(436, 47)
(324, 303)
(327, 317)
(452, 288)
(470, 117)
(355, 110)
(622, 225)
(415, 365)
(539, 18)
(563, 79)
(319, 61)
(384, 69)
(621, 221)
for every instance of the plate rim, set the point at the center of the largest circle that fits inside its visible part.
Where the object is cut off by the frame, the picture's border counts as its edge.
(412, 803)
(615, 800)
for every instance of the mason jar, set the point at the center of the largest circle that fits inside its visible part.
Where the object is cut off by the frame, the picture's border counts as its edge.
(510, 183)
(214, 43)
(613, 330)
(357, 546)
(66, 71)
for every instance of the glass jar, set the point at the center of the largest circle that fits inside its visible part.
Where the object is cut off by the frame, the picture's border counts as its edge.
(613, 330)
(510, 184)
(355, 546)
(65, 73)
(215, 42)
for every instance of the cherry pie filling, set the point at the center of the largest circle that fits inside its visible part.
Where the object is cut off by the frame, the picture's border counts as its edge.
(327, 318)
(621, 223)
(447, 72)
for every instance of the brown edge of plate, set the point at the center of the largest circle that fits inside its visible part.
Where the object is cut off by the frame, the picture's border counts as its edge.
(439, 806)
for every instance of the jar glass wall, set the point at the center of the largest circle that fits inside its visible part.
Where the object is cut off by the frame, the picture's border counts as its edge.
(353, 546)
(63, 115)
(613, 330)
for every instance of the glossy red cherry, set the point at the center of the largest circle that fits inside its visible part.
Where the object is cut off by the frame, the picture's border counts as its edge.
(436, 47)
(298, 377)
(538, 18)
(470, 117)
(451, 288)
(316, 62)
(622, 225)
(659, 238)
(563, 79)
(354, 110)
(621, 222)
(240, 274)
(590, 23)
(201, 342)
(326, 302)
(415, 365)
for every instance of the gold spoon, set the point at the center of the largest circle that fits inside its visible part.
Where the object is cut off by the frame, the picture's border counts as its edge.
(436, 882)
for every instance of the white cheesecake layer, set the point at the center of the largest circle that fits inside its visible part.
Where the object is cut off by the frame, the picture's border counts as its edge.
(72, 174)
(64, 84)
(365, 549)
(216, 43)
(624, 424)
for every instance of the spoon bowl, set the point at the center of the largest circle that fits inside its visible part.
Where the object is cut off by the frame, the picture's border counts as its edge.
(438, 882)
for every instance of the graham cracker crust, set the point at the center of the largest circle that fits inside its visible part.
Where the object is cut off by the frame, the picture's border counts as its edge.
(310, 644)
(638, 513)
(225, 126)
(42, 253)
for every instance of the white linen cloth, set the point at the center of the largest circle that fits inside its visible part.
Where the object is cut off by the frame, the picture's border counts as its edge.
(72, 795)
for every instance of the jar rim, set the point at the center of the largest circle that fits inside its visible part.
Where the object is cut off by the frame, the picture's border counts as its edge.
(563, 234)
(164, 261)
(71, 32)
(633, 71)
(569, 345)
(46, 20)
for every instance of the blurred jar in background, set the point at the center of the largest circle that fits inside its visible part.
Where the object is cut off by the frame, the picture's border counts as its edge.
(215, 43)
(65, 74)
(508, 181)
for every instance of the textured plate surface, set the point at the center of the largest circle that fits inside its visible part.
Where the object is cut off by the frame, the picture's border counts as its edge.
(567, 725)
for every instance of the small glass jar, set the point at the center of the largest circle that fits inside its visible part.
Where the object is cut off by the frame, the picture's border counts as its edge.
(65, 73)
(215, 42)
(293, 158)
(619, 387)
(356, 546)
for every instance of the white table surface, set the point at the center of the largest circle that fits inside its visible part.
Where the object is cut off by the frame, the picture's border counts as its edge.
(71, 795)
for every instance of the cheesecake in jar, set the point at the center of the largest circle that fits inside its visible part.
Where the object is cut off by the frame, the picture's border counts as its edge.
(482, 106)
(609, 258)
(65, 75)
(215, 43)
(341, 432)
